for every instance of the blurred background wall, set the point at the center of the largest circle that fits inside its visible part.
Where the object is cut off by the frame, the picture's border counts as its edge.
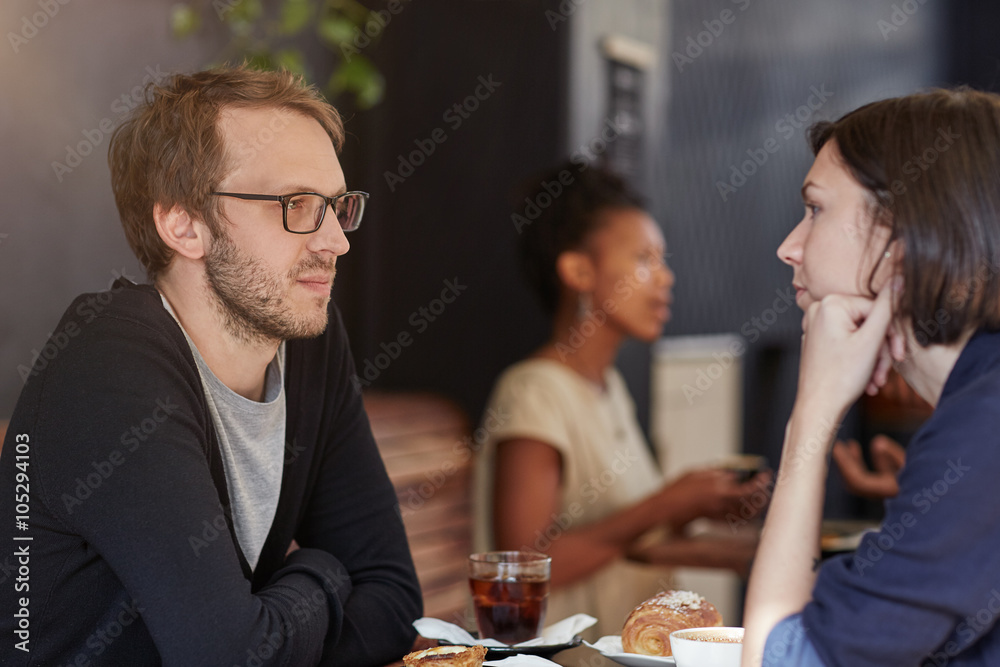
(531, 82)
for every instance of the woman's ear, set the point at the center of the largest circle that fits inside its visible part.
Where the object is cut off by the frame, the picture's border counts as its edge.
(895, 256)
(887, 266)
(184, 234)
(576, 271)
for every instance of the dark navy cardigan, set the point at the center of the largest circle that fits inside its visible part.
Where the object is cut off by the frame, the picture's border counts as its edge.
(133, 558)
(925, 589)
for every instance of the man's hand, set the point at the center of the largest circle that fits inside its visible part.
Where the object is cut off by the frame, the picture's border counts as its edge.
(888, 458)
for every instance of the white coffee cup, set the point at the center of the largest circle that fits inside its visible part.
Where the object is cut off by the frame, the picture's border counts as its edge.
(707, 647)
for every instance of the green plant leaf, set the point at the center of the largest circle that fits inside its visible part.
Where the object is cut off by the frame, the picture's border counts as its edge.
(372, 91)
(360, 77)
(295, 15)
(336, 30)
(242, 14)
(292, 60)
(184, 20)
(274, 39)
(260, 60)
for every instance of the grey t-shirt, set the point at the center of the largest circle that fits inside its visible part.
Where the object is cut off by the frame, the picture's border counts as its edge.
(252, 440)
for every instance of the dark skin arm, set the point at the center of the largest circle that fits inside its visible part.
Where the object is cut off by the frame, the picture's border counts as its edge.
(888, 458)
(722, 553)
(528, 488)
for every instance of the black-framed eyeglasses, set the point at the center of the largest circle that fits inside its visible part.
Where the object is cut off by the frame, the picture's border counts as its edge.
(303, 212)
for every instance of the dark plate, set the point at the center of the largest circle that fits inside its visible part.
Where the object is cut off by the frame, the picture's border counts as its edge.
(843, 536)
(542, 651)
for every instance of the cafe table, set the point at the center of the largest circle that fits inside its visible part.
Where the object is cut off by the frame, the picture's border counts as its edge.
(717, 546)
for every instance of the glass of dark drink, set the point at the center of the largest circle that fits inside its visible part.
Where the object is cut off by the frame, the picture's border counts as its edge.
(510, 590)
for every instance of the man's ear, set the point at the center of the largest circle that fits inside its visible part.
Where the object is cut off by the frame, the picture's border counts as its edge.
(576, 271)
(184, 234)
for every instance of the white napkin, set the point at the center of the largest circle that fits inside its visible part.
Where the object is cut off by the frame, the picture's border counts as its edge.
(563, 631)
(522, 661)
(435, 628)
(608, 644)
(557, 633)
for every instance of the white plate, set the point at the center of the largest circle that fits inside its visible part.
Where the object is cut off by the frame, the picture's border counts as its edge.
(610, 648)
(636, 660)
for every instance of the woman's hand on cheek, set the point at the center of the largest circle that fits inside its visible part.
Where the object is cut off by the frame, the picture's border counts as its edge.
(883, 364)
(893, 351)
(844, 349)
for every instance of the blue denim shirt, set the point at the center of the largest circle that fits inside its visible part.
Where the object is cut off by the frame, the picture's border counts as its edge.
(788, 645)
(925, 589)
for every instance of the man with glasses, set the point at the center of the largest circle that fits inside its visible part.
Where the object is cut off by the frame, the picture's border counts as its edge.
(201, 486)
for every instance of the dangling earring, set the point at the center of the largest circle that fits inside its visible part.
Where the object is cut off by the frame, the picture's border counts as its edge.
(583, 305)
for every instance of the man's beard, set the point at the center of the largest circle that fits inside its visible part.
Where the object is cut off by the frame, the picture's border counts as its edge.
(250, 297)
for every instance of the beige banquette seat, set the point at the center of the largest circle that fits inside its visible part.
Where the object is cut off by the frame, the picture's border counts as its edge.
(424, 441)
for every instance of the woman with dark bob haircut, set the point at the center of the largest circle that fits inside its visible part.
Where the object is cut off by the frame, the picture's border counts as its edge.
(896, 264)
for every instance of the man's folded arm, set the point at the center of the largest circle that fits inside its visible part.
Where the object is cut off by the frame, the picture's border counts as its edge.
(156, 518)
(353, 514)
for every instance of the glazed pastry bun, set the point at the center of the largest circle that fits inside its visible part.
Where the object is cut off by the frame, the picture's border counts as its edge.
(447, 656)
(647, 629)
